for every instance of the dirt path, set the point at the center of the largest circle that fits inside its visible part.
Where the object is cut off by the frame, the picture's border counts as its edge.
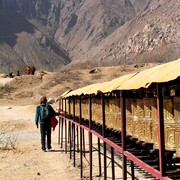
(27, 161)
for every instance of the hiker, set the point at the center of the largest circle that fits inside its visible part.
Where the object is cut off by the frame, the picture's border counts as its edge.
(44, 113)
(18, 73)
(33, 69)
(11, 75)
(27, 70)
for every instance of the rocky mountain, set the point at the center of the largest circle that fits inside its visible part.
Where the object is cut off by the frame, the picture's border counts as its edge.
(152, 36)
(50, 34)
(22, 43)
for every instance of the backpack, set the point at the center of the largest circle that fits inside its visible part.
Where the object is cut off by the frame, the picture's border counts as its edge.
(44, 112)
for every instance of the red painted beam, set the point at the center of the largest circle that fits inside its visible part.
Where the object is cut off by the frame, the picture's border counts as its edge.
(130, 156)
(86, 128)
(145, 166)
(110, 143)
(115, 146)
(97, 134)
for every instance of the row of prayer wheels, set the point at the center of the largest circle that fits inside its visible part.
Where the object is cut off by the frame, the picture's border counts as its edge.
(141, 117)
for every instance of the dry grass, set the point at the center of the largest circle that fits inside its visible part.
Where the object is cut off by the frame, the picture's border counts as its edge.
(8, 139)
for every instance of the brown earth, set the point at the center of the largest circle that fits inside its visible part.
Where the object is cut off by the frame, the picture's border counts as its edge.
(20, 153)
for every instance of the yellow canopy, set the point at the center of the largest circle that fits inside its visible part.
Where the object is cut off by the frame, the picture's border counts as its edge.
(162, 73)
(80, 91)
(109, 86)
(115, 83)
(97, 88)
(104, 87)
(65, 93)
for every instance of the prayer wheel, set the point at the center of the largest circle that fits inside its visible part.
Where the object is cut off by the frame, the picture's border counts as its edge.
(63, 104)
(77, 107)
(169, 123)
(117, 113)
(154, 123)
(129, 118)
(85, 108)
(140, 119)
(177, 124)
(148, 119)
(96, 110)
(112, 113)
(71, 106)
(109, 112)
(135, 118)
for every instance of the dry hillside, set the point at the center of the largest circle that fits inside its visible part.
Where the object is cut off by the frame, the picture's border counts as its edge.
(27, 89)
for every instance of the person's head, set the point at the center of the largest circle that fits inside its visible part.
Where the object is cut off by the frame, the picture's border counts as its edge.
(43, 100)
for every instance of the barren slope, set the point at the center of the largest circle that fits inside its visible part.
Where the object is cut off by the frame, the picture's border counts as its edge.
(153, 36)
(27, 89)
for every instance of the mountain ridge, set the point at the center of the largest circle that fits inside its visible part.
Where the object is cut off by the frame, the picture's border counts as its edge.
(53, 34)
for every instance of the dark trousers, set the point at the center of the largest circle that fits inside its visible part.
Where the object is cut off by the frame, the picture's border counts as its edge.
(45, 130)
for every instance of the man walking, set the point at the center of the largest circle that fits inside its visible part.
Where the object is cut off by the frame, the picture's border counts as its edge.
(44, 113)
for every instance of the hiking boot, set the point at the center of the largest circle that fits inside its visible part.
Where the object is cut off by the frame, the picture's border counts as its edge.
(44, 149)
(49, 148)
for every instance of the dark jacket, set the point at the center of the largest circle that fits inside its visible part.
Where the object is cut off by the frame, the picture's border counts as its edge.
(51, 114)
